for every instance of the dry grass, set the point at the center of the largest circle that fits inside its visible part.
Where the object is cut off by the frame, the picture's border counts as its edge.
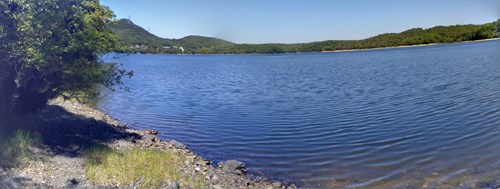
(146, 168)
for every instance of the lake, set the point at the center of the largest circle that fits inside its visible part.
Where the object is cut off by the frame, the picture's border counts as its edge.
(409, 117)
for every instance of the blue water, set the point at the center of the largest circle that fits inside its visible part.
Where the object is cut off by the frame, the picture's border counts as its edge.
(410, 117)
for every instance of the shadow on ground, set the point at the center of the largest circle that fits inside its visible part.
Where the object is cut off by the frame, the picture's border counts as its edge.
(63, 134)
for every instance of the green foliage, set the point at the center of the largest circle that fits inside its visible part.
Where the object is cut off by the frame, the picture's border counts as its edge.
(486, 31)
(109, 167)
(204, 45)
(17, 149)
(134, 39)
(130, 35)
(51, 48)
(497, 23)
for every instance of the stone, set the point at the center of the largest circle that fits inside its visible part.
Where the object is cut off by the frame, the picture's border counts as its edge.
(149, 137)
(150, 131)
(276, 184)
(73, 182)
(197, 169)
(251, 183)
(189, 160)
(292, 186)
(215, 177)
(173, 185)
(218, 187)
(220, 164)
(233, 166)
(209, 174)
(178, 145)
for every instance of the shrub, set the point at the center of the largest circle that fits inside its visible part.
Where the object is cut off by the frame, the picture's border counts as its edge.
(49, 48)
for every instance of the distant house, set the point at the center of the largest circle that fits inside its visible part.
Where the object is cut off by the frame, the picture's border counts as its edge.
(142, 47)
(174, 47)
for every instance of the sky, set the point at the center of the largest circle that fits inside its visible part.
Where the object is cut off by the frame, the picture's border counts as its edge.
(296, 21)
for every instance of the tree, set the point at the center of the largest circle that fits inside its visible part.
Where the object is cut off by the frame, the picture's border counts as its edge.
(51, 48)
(486, 31)
(498, 27)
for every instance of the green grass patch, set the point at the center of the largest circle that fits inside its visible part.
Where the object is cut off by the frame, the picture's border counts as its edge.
(16, 149)
(144, 167)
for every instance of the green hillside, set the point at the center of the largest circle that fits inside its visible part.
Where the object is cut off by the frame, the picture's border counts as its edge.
(133, 38)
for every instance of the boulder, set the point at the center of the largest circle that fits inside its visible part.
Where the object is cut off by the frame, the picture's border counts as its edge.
(276, 185)
(233, 166)
(209, 174)
(149, 138)
(174, 185)
(178, 145)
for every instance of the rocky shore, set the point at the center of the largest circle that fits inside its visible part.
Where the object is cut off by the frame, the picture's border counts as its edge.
(68, 127)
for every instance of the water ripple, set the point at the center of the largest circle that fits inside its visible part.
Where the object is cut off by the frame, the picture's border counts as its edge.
(420, 117)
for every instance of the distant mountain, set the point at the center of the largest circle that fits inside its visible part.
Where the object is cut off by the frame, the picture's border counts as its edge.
(133, 38)
(194, 41)
(130, 34)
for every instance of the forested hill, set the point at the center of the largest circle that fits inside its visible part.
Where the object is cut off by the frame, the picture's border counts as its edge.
(133, 38)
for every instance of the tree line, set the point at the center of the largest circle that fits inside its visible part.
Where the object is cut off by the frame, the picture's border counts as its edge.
(131, 35)
(416, 36)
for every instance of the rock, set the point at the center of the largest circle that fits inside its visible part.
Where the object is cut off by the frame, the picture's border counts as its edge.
(292, 186)
(149, 131)
(218, 187)
(178, 145)
(149, 137)
(209, 174)
(233, 166)
(220, 164)
(73, 182)
(189, 160)
(251, 183)
(173, 185)
(197, 169)
(215, 177)
(276, 184)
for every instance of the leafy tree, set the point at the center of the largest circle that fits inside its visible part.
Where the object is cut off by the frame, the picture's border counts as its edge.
(497, 23)
(52, 48)
(486, 31)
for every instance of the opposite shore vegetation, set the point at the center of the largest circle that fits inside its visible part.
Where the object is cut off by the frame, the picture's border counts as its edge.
(134, 39)
(52, 49)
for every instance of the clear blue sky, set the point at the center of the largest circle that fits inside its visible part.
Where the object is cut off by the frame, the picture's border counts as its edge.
(291, 21)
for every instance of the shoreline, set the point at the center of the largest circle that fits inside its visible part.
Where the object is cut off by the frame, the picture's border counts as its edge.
(408, 46)
(334, 51)
(66, 169)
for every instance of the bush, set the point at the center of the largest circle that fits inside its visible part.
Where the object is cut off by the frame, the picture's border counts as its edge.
(49, 48)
